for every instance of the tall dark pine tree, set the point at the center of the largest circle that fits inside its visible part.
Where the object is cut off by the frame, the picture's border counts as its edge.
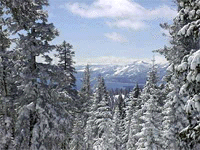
(8, 88)
(121, 106)
(65, 55)
(136, 91)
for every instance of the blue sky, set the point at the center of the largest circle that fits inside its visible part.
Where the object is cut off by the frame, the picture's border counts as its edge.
(111, 31)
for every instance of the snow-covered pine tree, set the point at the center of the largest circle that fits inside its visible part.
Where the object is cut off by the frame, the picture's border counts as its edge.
(77, 142)
(121, 106)
(40, 117)
(117, 121)
(105, 133)
(82, 115)
(136, 91)
(41, 114)
(185, 43)
(190, 90)
(65, 55)
(64, 80)
(91, 129)
(174, 118)
(99, 132)
(84, 105)
(8, 89)
(135, 124)
(152, 79)
(86, 87)
(150, 136)
(6, 97)
(86, 92)
(131, 104)
(112, 99)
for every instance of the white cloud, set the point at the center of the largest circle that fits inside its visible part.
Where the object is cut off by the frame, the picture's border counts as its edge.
(106, 60)
(106, 8)
(135, 25)
(111, 60)
(116, 37)
(160, 59)
(128, 14)
(164, 12)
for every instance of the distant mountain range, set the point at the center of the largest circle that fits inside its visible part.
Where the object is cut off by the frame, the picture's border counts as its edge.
(120, 76)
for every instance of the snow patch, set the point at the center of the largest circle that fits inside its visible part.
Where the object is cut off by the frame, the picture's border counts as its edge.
(198, 77)
(194, 60)
(30, 106)
(183, 89)
(182, 67)
(170, 68)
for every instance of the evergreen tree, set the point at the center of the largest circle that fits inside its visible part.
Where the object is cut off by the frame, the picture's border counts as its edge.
(190, 90)
(184, 33)
(136, 91)
(85, 103)
(152, 78)
(151, 128)
(65, 55)
(40, 117)
(174, 118)
(150, 134)
(91, 130)
(135, 126)
(103, 114)
(77, 142)
(116, 121)
(131, 104)
(99, 130)
(121, 106)
(86, 87)
(8, 88)
(86, 92)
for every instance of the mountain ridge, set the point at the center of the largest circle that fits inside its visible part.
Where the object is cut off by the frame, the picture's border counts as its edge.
(120, 76)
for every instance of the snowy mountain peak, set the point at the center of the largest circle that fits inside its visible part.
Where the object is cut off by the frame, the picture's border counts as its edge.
(120, 76)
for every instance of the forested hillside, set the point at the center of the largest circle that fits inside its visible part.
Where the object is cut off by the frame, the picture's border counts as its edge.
(40, 108)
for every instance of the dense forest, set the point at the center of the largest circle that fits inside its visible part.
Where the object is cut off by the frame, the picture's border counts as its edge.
(40, 108)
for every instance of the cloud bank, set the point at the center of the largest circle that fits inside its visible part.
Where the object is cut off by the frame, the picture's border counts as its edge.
(123, 13)
(112, 60)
